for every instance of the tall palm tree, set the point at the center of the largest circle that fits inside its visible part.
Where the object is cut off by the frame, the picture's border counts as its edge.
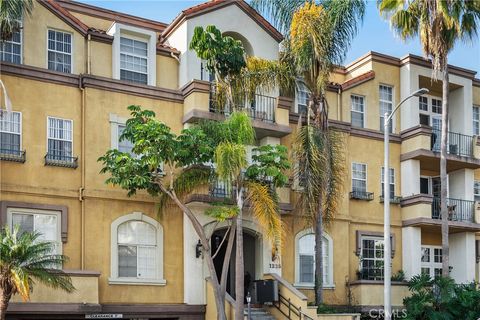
(318, 34)
(439, 24)
(11, 14)
(25, 259)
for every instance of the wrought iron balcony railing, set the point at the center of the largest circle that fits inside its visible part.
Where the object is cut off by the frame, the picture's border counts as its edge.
(458, 144)
(13, 155)
(58, 160)
(361, 195)
(394, 199)
(458, 210)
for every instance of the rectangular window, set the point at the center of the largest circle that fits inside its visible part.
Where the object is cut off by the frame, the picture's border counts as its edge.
(11, 50)
(358, 111)
(59, 51)
(133, 60)
(423, 103)
(60, 139)
(302, 98)
(10, 132)
(124, 145)
(372, 258)
(424, 185)
(431, 261)
(392, 181)
(437, 106)
(359, 177)
(476, 120)
(476, 190)
(386, 106)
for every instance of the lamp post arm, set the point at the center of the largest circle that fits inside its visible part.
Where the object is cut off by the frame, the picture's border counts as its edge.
(387, 121)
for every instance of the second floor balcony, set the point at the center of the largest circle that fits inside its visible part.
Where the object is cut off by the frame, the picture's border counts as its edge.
(458, 210)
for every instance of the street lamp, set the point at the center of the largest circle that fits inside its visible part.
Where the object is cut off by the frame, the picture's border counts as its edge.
(387, 274)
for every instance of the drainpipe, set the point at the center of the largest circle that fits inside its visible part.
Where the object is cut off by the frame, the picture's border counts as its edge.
(82, 174)
(174, 57)
(339, 104)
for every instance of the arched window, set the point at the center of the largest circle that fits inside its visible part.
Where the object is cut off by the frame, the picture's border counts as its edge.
(137, 250)
(305, 259)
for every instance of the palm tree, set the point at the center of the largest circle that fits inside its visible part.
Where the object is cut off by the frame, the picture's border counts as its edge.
(11, 13)
(440, 24)
(24, 259)
(318, 34)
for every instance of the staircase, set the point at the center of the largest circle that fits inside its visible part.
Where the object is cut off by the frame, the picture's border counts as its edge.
(258, 314)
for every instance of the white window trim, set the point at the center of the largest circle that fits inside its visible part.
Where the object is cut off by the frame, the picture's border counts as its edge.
(300, 85)
(429, 112)
(476, 120)
(374, 238)
(48, 132)
(21, 129)
(394, 179)
(366, 175)
(118, 30)
(393, 120)
(114, 278)
(58, 214)
(71, 49)
(330, 282)
(364, 124)
(476, 194)
(115, 121)
(21, 42)
(432, 265)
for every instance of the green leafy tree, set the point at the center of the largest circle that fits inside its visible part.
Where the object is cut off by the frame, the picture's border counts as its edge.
(25, 259)
(186, 158)
(440, 24)
(318, 35)
(11, 14)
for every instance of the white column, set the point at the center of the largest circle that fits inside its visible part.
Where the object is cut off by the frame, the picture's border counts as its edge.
(411, 250)
(461, 184)
(194, 276)
(408, 84)
(410, 173)
(460, 104)
(462, 256)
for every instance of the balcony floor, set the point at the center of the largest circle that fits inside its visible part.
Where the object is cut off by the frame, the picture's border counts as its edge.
(430, 160)
(436, 225)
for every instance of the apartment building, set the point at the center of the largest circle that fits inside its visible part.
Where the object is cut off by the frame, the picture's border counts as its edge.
(73, 69)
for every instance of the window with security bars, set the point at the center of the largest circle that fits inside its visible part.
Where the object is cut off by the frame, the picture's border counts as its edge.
(359, 177)
(59, 51)
(10, 133)
(372, 261)
(133, 60)
(137, 248)
(476, 120)
(124, 145)
(431, 261)
(60, 139)
(358, 111)
(302, 98)
(306, 260)
(386, 106)
(11, 49)
(392, 181)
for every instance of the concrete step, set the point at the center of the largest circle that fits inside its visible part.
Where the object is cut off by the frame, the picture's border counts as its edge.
(258, 314)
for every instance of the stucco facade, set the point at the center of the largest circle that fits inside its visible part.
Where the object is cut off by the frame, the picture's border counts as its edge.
(93, 96)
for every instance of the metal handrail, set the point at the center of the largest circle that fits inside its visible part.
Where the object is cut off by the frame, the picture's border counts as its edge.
(458, 144)
(361, 195)
(292, 309)
(458, 210)
(13, 155)
(61, 161)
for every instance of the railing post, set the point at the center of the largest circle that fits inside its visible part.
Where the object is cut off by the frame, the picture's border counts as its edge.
(289, 309)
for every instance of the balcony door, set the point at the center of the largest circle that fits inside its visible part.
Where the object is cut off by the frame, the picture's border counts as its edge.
(436, 123)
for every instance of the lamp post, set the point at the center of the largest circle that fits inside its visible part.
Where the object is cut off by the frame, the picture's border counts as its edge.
(249, 299)
(387, 293)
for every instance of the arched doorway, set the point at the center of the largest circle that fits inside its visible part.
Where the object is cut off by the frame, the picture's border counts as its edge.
(246, 44)
(252, 254)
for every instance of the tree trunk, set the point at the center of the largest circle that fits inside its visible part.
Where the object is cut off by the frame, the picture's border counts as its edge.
(319, 253)
(239, 265)
(228, 254)
(4, 299)
(443, 174)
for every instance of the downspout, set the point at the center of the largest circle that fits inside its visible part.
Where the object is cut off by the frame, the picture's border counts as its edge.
(174, 57)
(339, 104)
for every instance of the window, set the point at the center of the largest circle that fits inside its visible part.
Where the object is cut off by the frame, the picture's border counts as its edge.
(206, 75)
(302, 97)
(305, 259)
(371, 262)
(60, 139)
(436, 106)
(358, 111)
(392, 181)
(425, 185)
(476, 120)
(137, 250)
(10, 133)
(124, 145)
(431, 261)
(359, 177)
(45, 222)
(423, 103)
(476, 190)
(11, 50)
(59, 51)
(386, 106)
(133, 60)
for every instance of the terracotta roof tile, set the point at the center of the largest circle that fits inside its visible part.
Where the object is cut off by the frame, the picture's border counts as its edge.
(358, 80)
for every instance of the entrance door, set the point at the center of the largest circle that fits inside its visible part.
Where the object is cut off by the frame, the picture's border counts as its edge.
(249, 259)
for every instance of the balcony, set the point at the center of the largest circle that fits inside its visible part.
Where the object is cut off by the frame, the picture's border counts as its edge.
(12, 155)
(393, 200)
(59, 160)
(423, 143)
(361, 195)
(458, 210)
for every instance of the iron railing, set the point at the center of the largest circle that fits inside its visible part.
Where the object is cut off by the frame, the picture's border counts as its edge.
(13, 155)
(292, 312)
(394, 199)
(221, 189)
(458, 210)
(259, 107)
(371, 273)
(458, 144)
(361, 195)
(58, 160)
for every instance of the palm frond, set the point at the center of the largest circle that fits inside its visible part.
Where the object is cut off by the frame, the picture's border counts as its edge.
(11, 13)
(279, 12)
(230, 159)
